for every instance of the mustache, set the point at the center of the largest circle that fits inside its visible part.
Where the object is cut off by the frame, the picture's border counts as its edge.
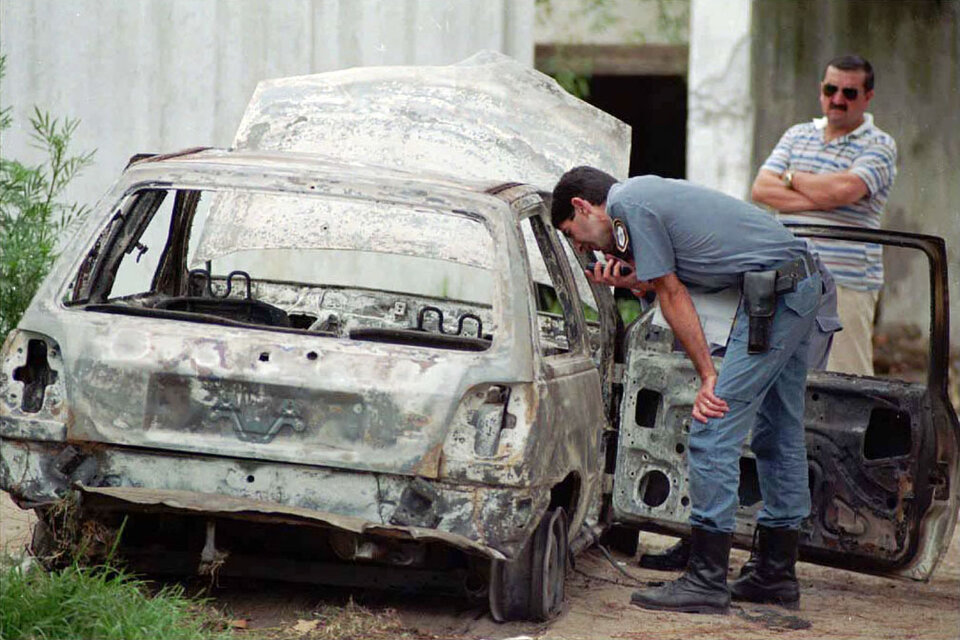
(839, 107)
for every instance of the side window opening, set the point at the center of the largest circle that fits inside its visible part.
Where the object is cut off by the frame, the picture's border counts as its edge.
(81, 285)
(125, 247)
(97, 273)
(560, 329)
(141, 258)
(901, 335)
(628, 307)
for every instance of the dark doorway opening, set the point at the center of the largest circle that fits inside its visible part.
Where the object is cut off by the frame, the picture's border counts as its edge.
(656, 109)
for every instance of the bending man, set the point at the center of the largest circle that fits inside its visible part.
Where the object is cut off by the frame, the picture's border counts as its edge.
(678, 235)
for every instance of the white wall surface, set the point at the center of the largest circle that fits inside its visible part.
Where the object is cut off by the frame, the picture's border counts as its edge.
(161, 75)
(612, 21)
(719, 106)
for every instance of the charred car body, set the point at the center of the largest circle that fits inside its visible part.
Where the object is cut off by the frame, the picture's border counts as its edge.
(268, 362)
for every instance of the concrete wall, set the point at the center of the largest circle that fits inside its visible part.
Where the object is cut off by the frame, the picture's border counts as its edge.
(160, 75)
(612, 22)
(915, 50)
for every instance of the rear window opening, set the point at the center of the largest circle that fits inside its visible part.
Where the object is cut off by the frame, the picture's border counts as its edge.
(888, 434)
(334, 267)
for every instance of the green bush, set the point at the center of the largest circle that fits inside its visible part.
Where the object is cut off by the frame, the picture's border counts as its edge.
(32, 215)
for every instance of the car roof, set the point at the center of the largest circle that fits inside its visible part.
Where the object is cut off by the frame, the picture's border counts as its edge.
(318, 174)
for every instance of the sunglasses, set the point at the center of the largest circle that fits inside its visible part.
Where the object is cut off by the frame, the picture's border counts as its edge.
(848, 92)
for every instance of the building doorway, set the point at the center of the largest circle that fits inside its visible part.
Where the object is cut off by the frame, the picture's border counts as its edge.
(655, 107)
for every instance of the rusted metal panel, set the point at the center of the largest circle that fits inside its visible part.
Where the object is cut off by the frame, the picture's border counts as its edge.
(484, 118)
(353, 405)
(491, 520)
(213, 504)
(868, 514)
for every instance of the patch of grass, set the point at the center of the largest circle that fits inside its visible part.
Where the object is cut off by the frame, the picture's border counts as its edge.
(100, 602)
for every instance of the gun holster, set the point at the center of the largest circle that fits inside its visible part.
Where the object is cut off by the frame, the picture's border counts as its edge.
(760, 298)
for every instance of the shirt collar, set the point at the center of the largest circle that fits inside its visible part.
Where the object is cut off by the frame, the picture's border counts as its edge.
(821, 123)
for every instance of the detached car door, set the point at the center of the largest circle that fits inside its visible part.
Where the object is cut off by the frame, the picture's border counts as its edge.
(882, 452)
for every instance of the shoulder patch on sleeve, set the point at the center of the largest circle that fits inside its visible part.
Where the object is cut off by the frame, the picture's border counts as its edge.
(621, 236)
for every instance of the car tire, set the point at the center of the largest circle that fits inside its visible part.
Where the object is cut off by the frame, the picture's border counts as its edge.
(532, 586)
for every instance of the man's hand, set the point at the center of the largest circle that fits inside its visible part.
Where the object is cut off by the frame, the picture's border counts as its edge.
(609, 274)
(707, 404)
(769, 189)
(681, 315)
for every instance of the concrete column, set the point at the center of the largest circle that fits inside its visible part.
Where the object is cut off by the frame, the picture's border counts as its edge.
(720, 106)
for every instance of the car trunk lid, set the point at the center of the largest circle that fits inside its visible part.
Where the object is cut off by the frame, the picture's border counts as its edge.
(302, 399)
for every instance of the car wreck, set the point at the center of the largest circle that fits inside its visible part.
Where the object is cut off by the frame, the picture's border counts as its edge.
(352, 349)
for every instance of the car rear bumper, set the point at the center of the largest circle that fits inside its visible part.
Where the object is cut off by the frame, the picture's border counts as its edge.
(488, 521)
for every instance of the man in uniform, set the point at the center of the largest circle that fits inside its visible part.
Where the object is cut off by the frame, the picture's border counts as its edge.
(677, 236)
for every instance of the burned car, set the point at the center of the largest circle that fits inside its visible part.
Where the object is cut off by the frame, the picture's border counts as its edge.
(273, 362)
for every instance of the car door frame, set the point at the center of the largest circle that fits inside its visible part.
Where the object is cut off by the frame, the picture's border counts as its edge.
(935, 491)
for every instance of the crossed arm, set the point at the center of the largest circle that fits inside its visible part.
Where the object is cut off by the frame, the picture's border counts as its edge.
(810, 192)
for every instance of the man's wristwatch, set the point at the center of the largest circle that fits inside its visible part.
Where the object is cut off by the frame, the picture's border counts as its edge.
(787, 178)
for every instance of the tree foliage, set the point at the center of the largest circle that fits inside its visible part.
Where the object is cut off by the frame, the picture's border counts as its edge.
(33, 216)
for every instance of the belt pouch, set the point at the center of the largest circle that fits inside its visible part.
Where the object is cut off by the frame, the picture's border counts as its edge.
(760, 298)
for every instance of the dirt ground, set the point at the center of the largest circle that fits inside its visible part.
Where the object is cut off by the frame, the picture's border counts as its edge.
(835, 603)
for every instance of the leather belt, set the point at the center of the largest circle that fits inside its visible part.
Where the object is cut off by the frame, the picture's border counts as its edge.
(798, 268)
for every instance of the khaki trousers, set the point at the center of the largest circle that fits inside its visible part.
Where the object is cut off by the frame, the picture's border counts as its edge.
(852, 350)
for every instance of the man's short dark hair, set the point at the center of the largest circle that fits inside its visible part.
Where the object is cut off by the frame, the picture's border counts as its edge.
(584, 182)
(853, 62)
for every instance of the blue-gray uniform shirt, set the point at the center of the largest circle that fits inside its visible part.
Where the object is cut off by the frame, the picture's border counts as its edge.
(706, 238)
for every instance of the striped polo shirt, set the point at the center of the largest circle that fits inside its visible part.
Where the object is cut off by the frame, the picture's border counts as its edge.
(868, 153)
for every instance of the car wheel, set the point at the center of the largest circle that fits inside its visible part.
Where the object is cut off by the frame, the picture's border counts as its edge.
(531, 587)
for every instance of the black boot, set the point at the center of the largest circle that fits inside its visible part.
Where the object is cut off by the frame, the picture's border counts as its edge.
(773, 579)
(673, 559)
(703, 586)
(751, 562)
(749, 565)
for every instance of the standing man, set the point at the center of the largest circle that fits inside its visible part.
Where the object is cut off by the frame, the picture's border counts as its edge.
(838, 170)
(678, 235)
